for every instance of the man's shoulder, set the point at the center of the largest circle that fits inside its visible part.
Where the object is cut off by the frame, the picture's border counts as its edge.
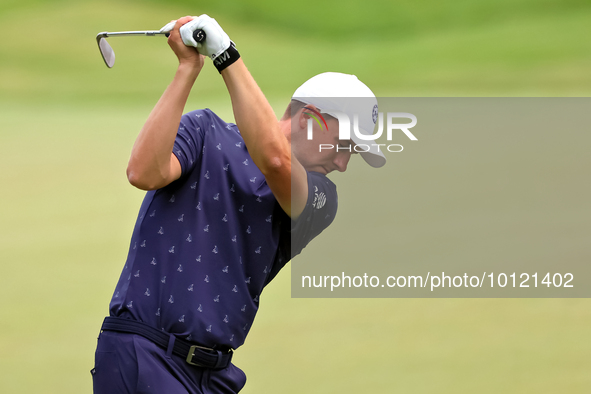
(319, 212)
(199, 113)
(204, 116)
(322, 191)
(204, 124)
(318, 178)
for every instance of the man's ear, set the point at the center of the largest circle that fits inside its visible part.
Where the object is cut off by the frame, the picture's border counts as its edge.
(302, 119)
(305, 115)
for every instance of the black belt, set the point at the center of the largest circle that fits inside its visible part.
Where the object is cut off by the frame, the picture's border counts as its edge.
(193, 354)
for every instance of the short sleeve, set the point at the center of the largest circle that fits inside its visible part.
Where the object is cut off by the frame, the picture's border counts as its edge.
(189, 139)
(320, 211)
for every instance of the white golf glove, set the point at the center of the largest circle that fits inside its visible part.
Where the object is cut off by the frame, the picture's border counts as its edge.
(217, 45)
(168, 27)
(216, 40)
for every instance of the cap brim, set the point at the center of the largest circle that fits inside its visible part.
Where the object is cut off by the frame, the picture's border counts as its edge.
(374, 157)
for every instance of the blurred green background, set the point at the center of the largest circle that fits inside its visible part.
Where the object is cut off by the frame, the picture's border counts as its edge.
(67, 124)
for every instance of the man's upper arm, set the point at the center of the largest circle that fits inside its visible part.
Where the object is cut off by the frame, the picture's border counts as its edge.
(290, 188)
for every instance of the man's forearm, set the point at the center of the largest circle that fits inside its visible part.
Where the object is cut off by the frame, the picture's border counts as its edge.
(150, 162)
(256, 120)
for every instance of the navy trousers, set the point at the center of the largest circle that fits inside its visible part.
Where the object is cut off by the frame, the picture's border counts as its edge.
(131, 364)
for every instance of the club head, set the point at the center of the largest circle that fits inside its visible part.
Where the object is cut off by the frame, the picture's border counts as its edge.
(106, 51)
(109, 55)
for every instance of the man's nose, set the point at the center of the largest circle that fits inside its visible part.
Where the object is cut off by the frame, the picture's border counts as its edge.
(342, 160)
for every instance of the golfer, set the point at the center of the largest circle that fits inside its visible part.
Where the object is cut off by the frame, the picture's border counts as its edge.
(227, 206)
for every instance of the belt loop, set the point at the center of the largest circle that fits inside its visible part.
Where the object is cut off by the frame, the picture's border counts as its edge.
(170, 346)
(218, 361)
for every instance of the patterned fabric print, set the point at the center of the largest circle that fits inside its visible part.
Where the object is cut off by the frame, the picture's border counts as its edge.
(204, 247)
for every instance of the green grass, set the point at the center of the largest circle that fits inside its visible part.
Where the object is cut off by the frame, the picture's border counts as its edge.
(346, 20)
(537, 53)
(67, 125)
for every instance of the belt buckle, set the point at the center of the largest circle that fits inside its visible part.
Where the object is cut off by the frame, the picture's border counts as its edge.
(192, 353)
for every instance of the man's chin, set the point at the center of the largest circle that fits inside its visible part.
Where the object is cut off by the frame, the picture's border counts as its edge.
(321, 170)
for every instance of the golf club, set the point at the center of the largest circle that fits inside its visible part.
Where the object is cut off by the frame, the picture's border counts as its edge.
(109, 55)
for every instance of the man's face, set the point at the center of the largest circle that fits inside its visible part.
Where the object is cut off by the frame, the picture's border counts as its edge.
(317, 154)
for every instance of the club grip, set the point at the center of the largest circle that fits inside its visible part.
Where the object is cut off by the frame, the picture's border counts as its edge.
(198, 35)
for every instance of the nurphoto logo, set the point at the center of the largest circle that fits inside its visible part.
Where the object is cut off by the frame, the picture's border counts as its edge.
(345, 130)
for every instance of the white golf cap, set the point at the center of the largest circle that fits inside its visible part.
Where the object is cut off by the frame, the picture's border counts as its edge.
(335, 93)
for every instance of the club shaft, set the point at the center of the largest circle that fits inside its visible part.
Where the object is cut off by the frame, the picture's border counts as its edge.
(130, 33)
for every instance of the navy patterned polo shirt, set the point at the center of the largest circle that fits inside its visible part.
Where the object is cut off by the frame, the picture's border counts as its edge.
(204, 247)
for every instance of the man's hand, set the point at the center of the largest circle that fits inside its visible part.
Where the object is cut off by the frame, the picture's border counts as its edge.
(216, 41)
(188, 55)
